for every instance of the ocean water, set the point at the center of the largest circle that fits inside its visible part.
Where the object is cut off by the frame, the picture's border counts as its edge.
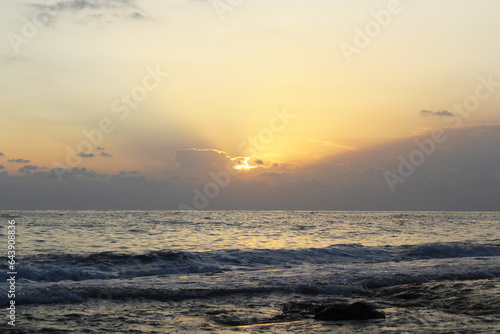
(234, 271)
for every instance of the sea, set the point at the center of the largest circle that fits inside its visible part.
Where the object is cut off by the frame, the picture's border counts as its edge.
(243, 271)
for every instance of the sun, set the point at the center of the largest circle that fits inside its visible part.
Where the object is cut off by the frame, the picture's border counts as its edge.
(244, 165)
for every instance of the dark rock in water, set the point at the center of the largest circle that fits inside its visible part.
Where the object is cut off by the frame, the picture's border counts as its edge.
(355, 311)
(331, 311)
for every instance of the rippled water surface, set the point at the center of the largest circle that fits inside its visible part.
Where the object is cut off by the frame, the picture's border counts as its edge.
(233, 271)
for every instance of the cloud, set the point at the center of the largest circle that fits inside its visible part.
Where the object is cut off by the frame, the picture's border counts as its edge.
(455, 175)
(462, 173)
(106, 155)
(92, 10)
(79, 5)
(67, 174)
(1, 154)
(273, 174)
(85, 172)
(85, 155)
(27, 169)
(200, 162)
(444, 113)
(138, 16)
(259, 162)
(125, 173)
(19, 161)
(99, 148)
(129, 176)
(41, 189)
(2, 167)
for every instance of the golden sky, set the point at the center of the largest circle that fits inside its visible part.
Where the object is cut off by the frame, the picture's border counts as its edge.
(232, 66)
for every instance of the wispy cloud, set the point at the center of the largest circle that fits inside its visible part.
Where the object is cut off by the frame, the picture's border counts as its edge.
(444, 113)
(85, 155)
(88, 10)
(19, 161)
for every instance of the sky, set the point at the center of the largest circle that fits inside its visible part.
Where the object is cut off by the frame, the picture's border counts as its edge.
(238, 104)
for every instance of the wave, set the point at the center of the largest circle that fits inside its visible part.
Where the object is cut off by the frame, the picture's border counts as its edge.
(110, 265)
(452, 250)
(321, 280)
